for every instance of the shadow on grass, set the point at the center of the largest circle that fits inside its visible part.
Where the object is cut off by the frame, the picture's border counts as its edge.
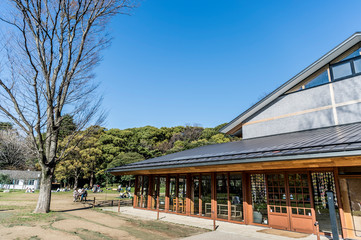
(72, 210)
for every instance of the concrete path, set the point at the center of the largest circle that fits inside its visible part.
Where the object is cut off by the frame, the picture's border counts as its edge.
(225, 230)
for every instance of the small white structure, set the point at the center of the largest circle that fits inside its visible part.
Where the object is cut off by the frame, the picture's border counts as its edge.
(22, 179)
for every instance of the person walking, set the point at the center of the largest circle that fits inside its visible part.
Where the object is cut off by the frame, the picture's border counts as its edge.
(84, 194)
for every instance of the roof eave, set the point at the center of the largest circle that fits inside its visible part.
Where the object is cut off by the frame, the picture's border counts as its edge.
(249, 160)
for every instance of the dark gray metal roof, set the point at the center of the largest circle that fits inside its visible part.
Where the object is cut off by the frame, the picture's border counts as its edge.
(17, 174)
(342, 140)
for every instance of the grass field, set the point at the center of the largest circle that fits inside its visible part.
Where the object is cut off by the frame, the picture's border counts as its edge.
(69, 220)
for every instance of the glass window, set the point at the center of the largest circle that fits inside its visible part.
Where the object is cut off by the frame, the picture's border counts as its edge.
(299, 194)
(357, 65)
(172, 194)
(155, 193)
(139, 190)
(195, 195)
(322, 182)
(222, 196)
(30, 182)
(277, 192)
(162, 187)
(236, 197)
(342, 70)
(182, 192)
(145, 187)
(352, 55)
(206, 195)
(320, 79)
(259, 198)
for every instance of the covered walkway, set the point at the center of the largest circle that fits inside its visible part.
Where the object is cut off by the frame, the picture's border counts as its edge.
(225, 230)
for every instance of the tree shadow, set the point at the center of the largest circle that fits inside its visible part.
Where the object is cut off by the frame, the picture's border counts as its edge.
(72, 210)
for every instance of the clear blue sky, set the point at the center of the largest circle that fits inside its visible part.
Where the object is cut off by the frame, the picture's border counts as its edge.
(203, 62)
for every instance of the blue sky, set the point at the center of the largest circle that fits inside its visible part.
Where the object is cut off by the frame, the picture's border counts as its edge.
(203, 62)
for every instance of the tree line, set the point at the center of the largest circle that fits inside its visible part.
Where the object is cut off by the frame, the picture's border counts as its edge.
(97, 149)
(89, 154)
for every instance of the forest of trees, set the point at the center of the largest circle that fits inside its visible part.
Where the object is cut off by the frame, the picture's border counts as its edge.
(94, 150)
(100, 149)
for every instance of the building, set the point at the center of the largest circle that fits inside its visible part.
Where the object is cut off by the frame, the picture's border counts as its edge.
(22, 179)
(299, 142)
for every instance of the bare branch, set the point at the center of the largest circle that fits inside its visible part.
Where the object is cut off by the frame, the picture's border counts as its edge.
(51, 54)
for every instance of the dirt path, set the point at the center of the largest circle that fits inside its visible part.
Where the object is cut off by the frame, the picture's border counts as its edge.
(69, 220)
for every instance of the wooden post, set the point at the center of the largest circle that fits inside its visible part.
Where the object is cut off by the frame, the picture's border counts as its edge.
(158, 194)
(119, 205)
(318, 231)
(340, 205)
(141, 191)
(213, 198)
(313, 212)
(346, 208)
(167, 183)
(150, 191)
(214, 224)
(176, 193)
(112, 203)
(200, 196)
(228, 197)
(247, 198)
(135, 197)
(188, 194)
(94, 203)
(158, 209)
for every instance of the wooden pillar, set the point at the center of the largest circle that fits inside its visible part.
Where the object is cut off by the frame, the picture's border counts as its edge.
(135, 198)
(229, 200)
(176, 192)
(200, 196)
(167, 183)
(346, 208)
(247, 198)
(158, 192)
(192, 195)
(142, 192)
(188, 193)
(340, 206)
(213, 196)
(150, 191)
(313, 212)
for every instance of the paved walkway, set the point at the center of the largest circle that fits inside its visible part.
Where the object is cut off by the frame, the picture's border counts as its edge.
(225, 230)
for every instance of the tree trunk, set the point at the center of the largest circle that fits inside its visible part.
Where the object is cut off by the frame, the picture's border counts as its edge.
(76, 181)
(43, 205)
(91, 180)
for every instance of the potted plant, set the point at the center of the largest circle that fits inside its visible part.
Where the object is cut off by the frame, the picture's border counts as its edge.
(257, 213)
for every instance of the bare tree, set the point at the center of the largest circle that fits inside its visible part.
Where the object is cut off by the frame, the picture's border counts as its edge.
(15, 150)
(51, 49)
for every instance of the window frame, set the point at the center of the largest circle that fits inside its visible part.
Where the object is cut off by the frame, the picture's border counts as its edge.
(353, 72)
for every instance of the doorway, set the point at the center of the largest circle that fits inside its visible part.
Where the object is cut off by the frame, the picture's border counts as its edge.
(355, 204)
(290, 203)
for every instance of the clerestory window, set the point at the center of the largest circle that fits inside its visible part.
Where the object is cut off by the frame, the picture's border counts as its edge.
(353, 54)
(320, 79)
